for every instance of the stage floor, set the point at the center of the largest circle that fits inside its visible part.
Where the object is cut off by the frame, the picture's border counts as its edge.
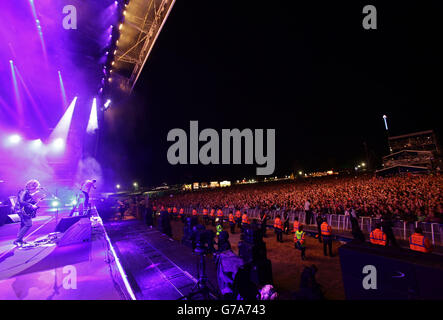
(73, 272)
(158, 267)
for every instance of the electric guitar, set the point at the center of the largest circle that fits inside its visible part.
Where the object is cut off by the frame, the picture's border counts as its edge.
(32, 212)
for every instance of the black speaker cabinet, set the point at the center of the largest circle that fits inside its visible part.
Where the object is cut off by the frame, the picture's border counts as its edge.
(78, 232)
(379, 273)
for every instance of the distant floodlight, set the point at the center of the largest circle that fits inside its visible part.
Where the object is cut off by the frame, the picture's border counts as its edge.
(118, 186)
(386, 121)
(300, 173)
(363, 164)
(135, 184)
(55, 203)
(120, 26)
(14, 139)
(74, 202)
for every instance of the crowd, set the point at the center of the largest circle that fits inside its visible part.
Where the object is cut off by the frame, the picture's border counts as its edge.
(409, 198)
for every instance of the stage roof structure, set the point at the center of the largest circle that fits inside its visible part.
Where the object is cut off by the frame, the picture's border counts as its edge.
(143, 22)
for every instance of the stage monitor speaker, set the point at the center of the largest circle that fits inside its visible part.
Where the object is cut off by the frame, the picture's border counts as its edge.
(67, 222)
(372, 272)
(78, 232)
(5, 210)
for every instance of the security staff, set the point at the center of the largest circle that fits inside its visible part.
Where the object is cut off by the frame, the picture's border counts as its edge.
(264, 222)
(377, 236)
(418, 242)
(181, 214)
(219, 227)
(205, 216)
(231, 221)
(238, 218)
(296, 224)
(319, 221)
(244, 220)
(326, 234)
(278, 227)
(212, 216)
(220, 216)
(299, 241)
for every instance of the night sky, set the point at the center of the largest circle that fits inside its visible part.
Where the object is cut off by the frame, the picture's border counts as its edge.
(310, 71)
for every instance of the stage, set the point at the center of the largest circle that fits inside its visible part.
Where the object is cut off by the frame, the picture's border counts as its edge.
(156, 266)
(73, 272)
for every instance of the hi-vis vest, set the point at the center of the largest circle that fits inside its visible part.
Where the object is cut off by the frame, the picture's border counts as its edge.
(194, 212)
(418, 242)
(205, 212)
(219, 213)
(300, 237)
(378, 237)
(326, 229)
(296, 225)
(278, 224)
(181, 212)
(219, 229)
(244, 218)
(212, 213)
(174, 210)
(231, 218)
(238, 214)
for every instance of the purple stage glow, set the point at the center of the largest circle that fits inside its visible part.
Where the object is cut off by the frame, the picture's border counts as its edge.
(33, 103)
(40, 74)
(39, 29)
(62, 89)
(18, 100)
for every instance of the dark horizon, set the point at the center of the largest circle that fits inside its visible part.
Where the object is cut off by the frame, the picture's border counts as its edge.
(310, 71)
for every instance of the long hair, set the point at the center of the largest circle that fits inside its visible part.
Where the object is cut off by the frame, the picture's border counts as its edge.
(32, 184)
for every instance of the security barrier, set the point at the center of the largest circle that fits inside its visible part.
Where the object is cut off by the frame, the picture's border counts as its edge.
(402, 229)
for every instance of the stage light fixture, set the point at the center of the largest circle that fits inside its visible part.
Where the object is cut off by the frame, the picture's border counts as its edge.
(107, 104)
(14, 139)
(36, 144)
(58, 144)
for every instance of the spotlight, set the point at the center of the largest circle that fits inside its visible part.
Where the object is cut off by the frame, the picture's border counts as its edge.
(55, 203)
(36, 144)
(14, 139)
(58, 144)
(135, 184)
(118, 186)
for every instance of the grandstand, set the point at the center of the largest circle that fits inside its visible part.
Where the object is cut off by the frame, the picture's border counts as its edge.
(414, 152)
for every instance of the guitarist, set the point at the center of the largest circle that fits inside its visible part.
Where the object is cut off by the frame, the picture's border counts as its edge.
(27, 208)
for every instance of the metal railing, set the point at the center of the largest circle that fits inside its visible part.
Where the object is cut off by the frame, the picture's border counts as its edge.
(402, 229)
